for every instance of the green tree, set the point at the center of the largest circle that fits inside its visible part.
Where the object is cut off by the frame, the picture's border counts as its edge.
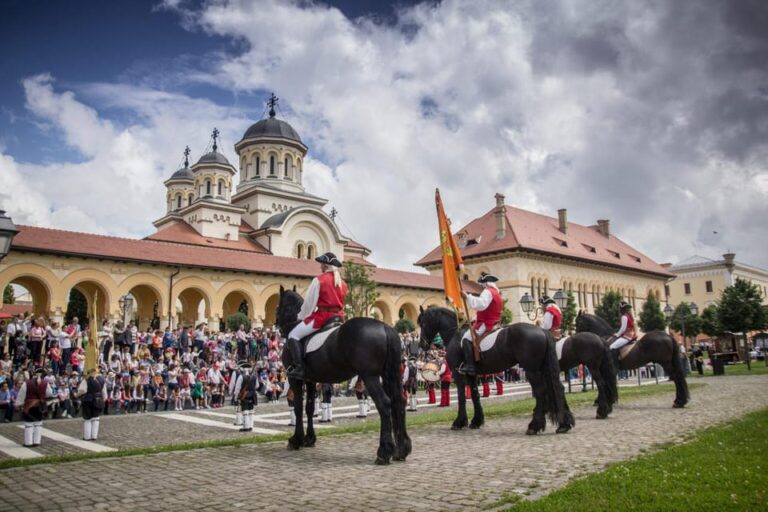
(404, 325)
(710, 321)
(652, 317)
(361, 290)
(76, 307)
(608, 309)
(236, 320)
(682, 318)
(8, 296)
(741, 310)
(506, 313)
(569, 314)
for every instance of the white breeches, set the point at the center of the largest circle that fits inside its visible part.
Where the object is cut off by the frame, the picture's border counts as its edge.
(619, 342)
(302, 330)
(468, 335)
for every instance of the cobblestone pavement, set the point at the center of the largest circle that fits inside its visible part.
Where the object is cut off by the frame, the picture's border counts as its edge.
(338, 474)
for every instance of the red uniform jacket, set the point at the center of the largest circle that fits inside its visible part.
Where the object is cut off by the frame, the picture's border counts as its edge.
(491, 315)
(630, 333)
(330, 301)
(557, 316)
(447, 376)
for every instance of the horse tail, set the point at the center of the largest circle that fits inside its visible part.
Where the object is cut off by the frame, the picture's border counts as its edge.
(608, 372)
(557, 406)
(678, 375)
(393, 386)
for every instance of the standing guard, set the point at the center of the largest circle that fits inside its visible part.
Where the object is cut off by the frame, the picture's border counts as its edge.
(245, 389)
(326, 390)
(553, 317)
(411, 384)
(446, 378)
(93, 393)
(488, 305)
(324, 301)
(626, 333)
(33, 395)
(236, 375)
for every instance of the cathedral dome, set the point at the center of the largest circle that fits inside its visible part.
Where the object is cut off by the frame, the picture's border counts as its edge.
(272, 127)
(214, 157)
(185, 173)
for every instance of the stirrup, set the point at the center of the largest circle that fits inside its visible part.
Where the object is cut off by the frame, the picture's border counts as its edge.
(462, 369)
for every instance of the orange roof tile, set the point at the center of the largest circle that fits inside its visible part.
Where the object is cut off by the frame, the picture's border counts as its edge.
(539, 233)
(183, 233)
(55, 241)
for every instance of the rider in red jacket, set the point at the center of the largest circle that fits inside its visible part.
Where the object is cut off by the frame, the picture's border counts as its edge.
(488, 306)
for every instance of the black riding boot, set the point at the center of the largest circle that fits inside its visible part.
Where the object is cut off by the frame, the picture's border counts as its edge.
(468, 366)
(296, 370)
(615, 356)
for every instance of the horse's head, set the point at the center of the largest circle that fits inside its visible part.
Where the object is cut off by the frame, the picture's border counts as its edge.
(432, 321)
(592, 323)
(288, 308)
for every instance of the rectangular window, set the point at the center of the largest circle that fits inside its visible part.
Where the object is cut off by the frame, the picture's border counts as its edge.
(687, 287)
(666, 290)
(709, 286)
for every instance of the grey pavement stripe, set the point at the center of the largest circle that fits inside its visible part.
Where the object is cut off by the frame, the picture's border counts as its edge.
(212, 423)
(78, 443)
(16, 450)
(260, 419)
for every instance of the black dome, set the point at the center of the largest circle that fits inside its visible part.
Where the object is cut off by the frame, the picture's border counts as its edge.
(272, 127)
(185, 173)
(214, 157)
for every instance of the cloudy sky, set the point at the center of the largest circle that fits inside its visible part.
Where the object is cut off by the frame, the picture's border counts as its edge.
(653, 114)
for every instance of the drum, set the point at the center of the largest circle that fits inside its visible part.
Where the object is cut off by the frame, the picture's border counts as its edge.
(431, 372)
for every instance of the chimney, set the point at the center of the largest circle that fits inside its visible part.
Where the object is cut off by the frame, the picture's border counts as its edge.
(500, 214)
(604, 227)
(729, 266)
(562, 220)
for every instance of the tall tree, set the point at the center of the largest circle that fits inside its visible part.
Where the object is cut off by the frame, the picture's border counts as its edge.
(710, 321)
(506, 313)
(652, 317)
(361, 290)
(608, 309)
(235, 320)
(683, 319)
(77, 307)
(8, 296)
(404, 325)
(569, 314)
(741, 310)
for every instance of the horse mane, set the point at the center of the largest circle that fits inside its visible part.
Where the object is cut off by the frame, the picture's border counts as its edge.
(595, 320)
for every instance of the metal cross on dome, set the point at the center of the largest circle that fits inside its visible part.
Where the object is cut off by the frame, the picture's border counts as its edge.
(272, 102)
(215, 136)
(186, 156)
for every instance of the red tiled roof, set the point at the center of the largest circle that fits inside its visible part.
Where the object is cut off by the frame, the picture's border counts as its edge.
(183, 233)
(55, 241)
(16, 309)
(351, 244)
(539, 233)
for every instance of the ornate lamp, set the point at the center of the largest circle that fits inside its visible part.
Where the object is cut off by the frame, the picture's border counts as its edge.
(7, 232)
(694, 308)
(668, 311)
(528, 304)
(560, 298)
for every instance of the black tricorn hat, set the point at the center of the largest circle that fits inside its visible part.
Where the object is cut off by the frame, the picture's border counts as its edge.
(625, 305)
(546, 299)
(487, 278)
(329, 259)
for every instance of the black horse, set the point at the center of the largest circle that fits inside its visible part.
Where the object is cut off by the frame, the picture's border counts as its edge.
(655, 347)
(530, 346)
(588, 349)
(361, 346)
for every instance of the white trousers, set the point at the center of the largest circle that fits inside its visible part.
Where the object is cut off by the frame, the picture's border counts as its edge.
(619, 342)
(302, 330)
(468, 335)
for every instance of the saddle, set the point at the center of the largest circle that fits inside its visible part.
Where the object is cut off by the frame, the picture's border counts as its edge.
(331, 323)
(626, 349)
(316, 340)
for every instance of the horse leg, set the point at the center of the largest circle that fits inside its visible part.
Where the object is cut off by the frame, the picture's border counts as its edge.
(310, 438)
(539, 421)
(461, 396)
(478, 418)
(296, 441)
(602, 393)
(383, 405)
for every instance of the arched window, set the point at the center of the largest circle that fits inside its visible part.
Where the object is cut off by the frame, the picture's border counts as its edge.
(189, 199)
(272, 165)
(258, 166)
(533, 288)
(300, 251)
(310, 252)
(221, 188)
(207, 187)
(178, 201)
(286, 168)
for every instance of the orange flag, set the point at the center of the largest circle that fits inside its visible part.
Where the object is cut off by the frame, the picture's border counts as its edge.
(452, 261)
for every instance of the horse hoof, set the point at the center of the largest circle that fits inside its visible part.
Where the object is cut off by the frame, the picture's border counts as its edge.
(531, 432)
(475, 426)
(398, 458)
(309, 444)
(381, 461)
(601, 416)
(458, 427)
(563, 429)
(292, 446)
(678, 406)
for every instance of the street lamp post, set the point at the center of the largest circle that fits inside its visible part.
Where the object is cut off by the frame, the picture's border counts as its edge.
(529, 304)
(7, 232)
(126, 305)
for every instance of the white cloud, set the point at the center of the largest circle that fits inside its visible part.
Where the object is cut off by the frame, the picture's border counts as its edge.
(628, 111)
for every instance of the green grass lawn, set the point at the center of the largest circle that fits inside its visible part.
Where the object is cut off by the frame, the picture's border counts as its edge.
(758, 368)
(724, 469)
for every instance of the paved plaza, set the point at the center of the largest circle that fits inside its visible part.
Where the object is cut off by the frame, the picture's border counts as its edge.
(339, 474)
